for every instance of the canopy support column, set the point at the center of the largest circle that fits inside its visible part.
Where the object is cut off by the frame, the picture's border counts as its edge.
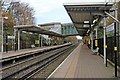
(15, 39)
(41, 41)
(96, 33)
(105, 46)
(91, 35)
(18, 39)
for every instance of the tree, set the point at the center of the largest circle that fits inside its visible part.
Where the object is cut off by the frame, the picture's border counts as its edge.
(22, 12)
(17, 13)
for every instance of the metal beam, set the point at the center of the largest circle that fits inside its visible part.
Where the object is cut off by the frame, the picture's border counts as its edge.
(70, 35)
(81, 28)
(115, 49)
(92, 12)
(35, 29)
(112, 17)
(82, 23)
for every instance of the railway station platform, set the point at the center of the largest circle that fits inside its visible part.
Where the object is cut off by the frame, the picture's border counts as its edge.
(29, 51)
(81, 63)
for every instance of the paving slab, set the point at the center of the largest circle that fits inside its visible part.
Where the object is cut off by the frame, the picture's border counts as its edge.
(81, 63)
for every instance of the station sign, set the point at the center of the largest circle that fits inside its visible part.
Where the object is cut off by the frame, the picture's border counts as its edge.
(11, 37)
(110, 28)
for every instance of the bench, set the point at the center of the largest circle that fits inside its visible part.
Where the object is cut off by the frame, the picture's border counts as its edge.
(95, 51)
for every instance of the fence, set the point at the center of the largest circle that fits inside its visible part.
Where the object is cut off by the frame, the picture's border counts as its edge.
(110, 48)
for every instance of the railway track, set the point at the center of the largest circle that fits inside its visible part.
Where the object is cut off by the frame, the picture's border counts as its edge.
(7, 61)
(28, 68)
(44, 73)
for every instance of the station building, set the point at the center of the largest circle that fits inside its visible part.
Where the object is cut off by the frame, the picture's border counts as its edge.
(67, 29)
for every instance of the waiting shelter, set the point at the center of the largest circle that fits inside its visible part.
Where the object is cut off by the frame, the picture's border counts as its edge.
(86, 16)
(33, 29)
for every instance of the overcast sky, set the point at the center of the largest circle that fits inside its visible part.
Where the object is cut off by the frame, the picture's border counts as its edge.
(47, 11)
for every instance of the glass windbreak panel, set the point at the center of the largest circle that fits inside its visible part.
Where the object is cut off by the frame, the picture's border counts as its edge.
(0, 34)
(0, 47)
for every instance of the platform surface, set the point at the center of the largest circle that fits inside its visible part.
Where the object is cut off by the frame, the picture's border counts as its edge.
(81, 63)
(26, 51)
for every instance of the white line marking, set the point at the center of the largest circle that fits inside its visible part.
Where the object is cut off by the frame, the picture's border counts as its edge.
(61, 64)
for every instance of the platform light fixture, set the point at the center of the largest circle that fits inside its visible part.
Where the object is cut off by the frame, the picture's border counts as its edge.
(86, 22)
(95, 20)
(88, 31)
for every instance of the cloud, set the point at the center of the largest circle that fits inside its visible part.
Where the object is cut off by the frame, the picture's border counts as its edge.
(48, 10)
(57, 15)
(51, 10)
(43, 6)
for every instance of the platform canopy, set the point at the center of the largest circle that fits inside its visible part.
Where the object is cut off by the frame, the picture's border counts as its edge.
(36, 29)
(86, 15)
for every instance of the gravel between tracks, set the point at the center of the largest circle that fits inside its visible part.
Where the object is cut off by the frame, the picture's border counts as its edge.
(44, 73)
(11, 70)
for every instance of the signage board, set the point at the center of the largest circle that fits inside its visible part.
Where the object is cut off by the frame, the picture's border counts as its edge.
(11, 37)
